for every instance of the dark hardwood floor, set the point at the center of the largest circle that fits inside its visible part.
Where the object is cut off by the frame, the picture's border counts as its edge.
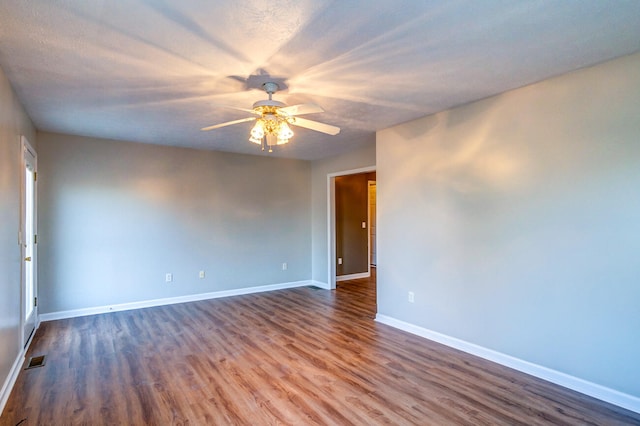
(301, 356)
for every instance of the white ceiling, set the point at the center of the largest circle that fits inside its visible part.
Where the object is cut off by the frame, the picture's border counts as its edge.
(153, 71)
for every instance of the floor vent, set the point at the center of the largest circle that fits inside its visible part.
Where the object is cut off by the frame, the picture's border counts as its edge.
(35, 361)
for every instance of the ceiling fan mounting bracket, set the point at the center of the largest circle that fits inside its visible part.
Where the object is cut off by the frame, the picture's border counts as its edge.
(269, 105)
(270, 87)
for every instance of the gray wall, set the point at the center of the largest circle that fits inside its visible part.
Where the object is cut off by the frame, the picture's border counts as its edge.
(359, 158)
(116, 216)
(516, 222)
(13, 123)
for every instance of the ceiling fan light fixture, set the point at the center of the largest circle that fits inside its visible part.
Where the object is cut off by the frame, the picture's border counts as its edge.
(257, 133)
(271, 129)
(284, 133)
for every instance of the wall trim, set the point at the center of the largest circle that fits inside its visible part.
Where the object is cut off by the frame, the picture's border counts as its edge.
(353, 276)
(170, 300)
(320, 284)
(10, 381)
(594, 390)
(7, 387)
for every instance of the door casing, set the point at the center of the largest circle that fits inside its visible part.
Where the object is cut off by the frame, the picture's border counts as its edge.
(331, 219)
(28, 243)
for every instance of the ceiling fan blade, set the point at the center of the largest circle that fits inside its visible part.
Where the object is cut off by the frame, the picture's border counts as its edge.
(228, 123)
(301, 109)
(250, 111)
(314, 125)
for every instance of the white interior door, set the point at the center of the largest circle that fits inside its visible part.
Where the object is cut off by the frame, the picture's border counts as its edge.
(28, 243)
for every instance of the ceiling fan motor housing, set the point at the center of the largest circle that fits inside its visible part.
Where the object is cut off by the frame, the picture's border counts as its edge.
(269, 103)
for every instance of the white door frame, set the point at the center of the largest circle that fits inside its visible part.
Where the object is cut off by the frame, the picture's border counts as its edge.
(331, 219)
(369, 245)
(28, 156)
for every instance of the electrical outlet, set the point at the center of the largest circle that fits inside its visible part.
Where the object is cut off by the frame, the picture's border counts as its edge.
(411, 297)
(339, 261)
(201, 274)
(284, 266)
(169, 277)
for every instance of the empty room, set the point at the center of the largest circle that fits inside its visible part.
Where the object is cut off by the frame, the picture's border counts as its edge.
(319, 212)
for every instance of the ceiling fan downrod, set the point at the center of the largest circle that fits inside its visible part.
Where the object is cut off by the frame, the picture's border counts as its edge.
(270, 87)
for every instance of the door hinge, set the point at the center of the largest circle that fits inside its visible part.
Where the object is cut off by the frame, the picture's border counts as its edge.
(35, 238)
(35, 176)
(35, 302)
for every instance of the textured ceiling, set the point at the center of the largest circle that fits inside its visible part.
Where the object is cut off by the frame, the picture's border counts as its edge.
(156, 71)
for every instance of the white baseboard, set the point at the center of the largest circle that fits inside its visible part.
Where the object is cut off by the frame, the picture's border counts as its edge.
(353, 276)
(320, 284)
(8, 384)
(594, 390)
(7, 387)
(170, 300)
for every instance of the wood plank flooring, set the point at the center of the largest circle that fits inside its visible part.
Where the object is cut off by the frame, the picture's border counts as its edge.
(296, 357)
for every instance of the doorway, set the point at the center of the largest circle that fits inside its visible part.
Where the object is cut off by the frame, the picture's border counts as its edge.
(331, 237)
(28, 241)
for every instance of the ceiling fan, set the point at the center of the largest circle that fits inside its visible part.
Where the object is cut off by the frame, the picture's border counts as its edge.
(274, 117)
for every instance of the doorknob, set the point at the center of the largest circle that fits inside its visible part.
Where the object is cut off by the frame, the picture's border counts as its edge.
(27, 259)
